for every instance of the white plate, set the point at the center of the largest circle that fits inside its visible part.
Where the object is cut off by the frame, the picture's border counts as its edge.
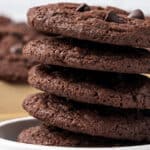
(11, 128)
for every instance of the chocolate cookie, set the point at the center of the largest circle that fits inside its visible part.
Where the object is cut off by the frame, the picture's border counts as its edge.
(89, 119)
(10, 43)
(14, 66)
(111, 89)
(97, 24)
(87, 55)
(20, 30)
(52, 136)
(5, 20)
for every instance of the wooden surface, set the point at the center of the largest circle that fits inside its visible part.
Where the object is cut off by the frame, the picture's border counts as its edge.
(11, 98)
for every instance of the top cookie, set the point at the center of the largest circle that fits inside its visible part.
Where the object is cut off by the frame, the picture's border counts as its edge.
(103, 25)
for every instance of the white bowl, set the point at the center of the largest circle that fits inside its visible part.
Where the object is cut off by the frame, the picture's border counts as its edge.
(10, 129)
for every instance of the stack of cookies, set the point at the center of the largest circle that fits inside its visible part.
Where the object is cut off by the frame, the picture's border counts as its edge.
(14, 66)
(90, 72)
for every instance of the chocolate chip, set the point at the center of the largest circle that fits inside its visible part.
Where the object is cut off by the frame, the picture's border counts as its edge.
(83, 7)
(16, 49)
(113, 17)
(138, 14)
(148, 49)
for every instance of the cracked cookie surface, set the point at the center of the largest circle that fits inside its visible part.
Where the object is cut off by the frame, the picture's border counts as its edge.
(88, 55)
(89, 119)
(103, 25)
(111, 89)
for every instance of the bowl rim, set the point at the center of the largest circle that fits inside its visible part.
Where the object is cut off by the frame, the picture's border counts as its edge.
(14, 144)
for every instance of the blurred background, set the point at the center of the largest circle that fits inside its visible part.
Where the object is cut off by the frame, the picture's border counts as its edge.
(12, 95)
(18, 8)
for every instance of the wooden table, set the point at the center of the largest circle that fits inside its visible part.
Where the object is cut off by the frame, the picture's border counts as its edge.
(11, 98)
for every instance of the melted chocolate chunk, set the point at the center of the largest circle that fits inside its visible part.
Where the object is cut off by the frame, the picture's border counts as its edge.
(138, 14)
(83, 7)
